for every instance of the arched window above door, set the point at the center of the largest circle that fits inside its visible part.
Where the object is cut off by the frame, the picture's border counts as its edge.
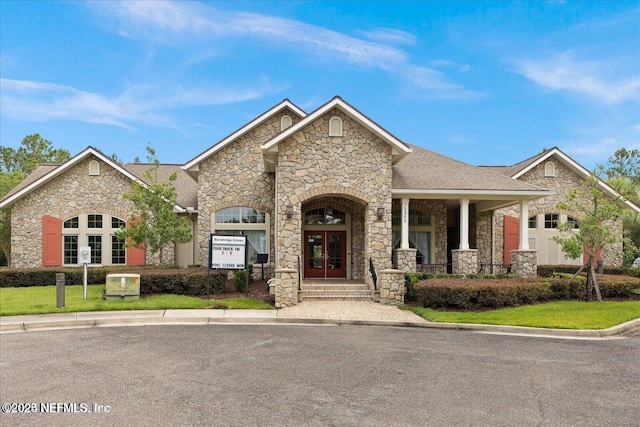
(322, 216)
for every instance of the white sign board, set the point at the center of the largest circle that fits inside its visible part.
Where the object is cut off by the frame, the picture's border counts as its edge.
(84, 255)
(228, 252)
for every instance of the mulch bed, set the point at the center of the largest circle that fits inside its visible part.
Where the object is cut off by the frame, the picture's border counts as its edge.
(258, 291)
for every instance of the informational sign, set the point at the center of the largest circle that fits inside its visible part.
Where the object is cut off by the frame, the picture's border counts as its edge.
(228, 252)
(84, 253)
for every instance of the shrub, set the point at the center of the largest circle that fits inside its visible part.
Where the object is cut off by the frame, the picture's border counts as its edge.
(240, 280)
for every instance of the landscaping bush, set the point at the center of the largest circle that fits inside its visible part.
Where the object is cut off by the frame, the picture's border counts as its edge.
(240, 280)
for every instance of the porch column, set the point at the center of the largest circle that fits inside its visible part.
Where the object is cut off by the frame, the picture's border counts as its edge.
(404, 239)
(464, 224)
(524, 225)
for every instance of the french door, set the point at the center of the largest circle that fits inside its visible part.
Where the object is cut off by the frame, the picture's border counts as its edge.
(325, 254)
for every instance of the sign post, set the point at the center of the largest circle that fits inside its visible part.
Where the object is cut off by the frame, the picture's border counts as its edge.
(85, 258)
(229, 253)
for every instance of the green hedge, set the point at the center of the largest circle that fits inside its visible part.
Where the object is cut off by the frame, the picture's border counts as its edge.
(152, 281)
(549, 270)
(474, 295)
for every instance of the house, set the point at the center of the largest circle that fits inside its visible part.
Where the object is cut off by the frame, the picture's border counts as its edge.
(328, 194)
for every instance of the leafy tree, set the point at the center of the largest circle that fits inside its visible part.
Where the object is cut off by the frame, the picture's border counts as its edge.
(15, 165)
(153, 223)
(599, 213)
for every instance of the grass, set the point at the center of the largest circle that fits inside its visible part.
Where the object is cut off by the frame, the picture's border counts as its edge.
(560, 314)
(42, 300)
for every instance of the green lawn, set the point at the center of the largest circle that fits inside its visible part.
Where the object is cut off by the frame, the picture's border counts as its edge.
(42, 299)
(561, 315)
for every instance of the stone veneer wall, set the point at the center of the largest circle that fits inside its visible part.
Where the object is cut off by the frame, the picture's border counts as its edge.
(405, 259)
(355, 166)
(235, 176)
(524, 263)
(73, 193)
(465, 261)
(391, 287)
(483, 237)
(564, 180)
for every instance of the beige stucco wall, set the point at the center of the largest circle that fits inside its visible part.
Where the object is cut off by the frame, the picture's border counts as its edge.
(563, 181)
(355, 167)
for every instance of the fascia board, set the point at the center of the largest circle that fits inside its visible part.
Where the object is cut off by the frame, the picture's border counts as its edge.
(402, 148)
(471, 194)
(246, 128)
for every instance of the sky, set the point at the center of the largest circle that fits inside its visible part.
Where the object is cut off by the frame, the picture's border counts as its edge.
(484, 82)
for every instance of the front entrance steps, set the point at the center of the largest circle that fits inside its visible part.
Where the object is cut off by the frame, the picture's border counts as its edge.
(334, 290)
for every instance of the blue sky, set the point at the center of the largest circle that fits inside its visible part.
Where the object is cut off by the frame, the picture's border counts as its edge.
(484, 82)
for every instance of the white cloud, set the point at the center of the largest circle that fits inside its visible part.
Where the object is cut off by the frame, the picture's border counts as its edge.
(171, 21)
(587, 78)
(460, 139)
(42, 101)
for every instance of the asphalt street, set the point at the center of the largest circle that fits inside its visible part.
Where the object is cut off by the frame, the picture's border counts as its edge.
(288, 375)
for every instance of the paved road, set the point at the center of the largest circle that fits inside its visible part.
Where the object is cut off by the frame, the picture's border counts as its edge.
(228, 375)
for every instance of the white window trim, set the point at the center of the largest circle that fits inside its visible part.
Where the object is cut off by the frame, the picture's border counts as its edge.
(94, 168)
(83, 232)
(225, 226)
(285, 122)
(549, 169)
(332, 131)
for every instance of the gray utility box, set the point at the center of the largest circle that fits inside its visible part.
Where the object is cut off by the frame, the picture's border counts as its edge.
(122, 286)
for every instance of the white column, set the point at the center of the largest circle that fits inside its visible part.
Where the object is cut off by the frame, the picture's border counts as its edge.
(524, 225)
(404, 238)
(464, 224)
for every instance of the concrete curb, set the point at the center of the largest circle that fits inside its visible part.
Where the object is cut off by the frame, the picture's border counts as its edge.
(29, 323)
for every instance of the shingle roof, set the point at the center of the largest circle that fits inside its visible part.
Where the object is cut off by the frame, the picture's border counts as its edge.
(425, 170)
(186, 187)
(514, 169)
(40, 171)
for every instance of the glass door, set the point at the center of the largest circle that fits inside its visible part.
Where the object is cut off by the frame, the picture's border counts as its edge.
(325, 254)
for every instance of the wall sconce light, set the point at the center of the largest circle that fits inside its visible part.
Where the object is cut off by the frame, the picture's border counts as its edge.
(288, 211)
(380, 213)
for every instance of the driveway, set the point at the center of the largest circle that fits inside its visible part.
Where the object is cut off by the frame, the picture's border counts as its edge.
(284, 375)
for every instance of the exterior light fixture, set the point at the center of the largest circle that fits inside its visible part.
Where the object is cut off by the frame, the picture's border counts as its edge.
(289, 211)
(380, 213)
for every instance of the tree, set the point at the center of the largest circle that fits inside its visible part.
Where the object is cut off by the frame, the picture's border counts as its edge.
(153, 223)
(599, 212)
(15, 165)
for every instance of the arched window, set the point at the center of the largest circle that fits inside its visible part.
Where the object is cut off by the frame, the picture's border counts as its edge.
(574, 221)
(533, 222)
(335, 126)
(549, 169)
(322, 216)
(94, 168)
(285, 122)
(251, 222)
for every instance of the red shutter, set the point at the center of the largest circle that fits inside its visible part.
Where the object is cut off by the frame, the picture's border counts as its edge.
(511, 236)
(51, 241)
(136, 256)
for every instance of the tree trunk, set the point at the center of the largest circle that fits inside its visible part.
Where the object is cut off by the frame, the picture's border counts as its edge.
(589, 280)
(595, 284)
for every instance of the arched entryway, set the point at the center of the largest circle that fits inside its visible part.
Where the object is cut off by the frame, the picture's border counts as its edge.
(332, 239)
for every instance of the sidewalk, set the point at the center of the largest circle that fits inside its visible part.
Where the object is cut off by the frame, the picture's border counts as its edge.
(306, 313)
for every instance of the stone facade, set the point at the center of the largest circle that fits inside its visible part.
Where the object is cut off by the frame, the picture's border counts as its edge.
(391, 286)
(524, 263)
(73, 193)
(405, 259)
(465, 261)
(559, 184)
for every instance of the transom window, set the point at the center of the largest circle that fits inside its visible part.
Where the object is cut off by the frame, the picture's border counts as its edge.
(574, 221)
(94, 221)
(240, 215)
(533, 222)
(415, 218)
(117, 222)
(71, 223)
(322, 216)
(551, 221)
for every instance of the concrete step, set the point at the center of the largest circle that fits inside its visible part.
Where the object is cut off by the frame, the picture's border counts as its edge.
(335, 291)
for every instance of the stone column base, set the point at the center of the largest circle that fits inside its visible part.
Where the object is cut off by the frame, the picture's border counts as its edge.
(524, 263)
(391, 286)
(286, 287)
(465, 261)
(405, 259)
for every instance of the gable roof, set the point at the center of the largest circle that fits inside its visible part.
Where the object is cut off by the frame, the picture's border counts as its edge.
(399, 148)
(186, 187)
(519, 169)
(47, 173)
(192, 164)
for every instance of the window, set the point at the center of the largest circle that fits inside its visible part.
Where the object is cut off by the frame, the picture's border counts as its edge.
(322, 216)
(94, 221)
(117, 223)
(549, 169)
(117, 251)
(70, 249)
(415, 218)
(96, 231)
(251, 222)
(71, 223)
(285, 122)
(335, 126)
(419, 233)
(94, 168)
(551, 221)
(574, 221)
(533, 223)
(95, 243)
